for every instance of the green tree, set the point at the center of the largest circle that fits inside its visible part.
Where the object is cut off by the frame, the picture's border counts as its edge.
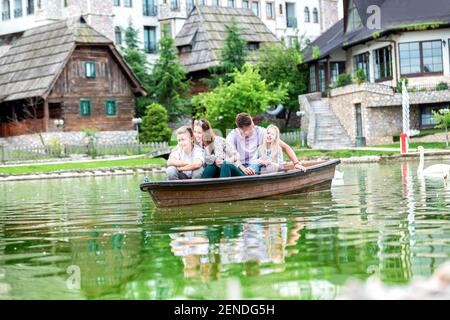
(283, 66)
(137, 61)
(443, 118)
(247, 92)
(154, 125)
(233, 57)
(169, 80)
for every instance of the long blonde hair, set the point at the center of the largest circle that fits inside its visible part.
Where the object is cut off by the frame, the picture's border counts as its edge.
(275, 145)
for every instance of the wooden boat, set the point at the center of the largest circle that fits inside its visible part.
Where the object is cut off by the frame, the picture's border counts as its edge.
(318, 176)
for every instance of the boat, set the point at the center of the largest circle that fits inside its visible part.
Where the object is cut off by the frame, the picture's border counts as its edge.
(317, 176)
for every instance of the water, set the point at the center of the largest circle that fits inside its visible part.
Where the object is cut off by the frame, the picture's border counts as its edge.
(102, 238)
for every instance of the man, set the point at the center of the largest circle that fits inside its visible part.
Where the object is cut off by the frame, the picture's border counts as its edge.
(247, 137)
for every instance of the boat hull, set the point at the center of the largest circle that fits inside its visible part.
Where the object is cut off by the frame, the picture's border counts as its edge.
(318, 176)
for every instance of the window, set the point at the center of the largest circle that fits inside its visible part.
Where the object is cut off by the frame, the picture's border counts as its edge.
(251, 46)
(174, 5)
(322, 77)
(30, 7)
(202, 2)
(116, 3)
(216, 3)
(118, 35)
(39, 4)
(383, 64)
(306, 13)
(149, 8)
(6, 11)
(337, 68)
(418, 58)
(166, 30)
(127, 3)
(190, 5)
(89, 69)
(361, 61)
(150, 39)
(65, 3)
(18, 11)
(245, 4)
(291, 18)
(312, 78)
(255, 7)
(85, 107)
(315, 16)
(427, 117)
(111, 109)
(354, 20)
(269, 10)
(231, 3)
(281, 9)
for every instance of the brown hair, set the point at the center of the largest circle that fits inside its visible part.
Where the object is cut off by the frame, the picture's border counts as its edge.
(207, 129)
(185, 130)
(243, 120)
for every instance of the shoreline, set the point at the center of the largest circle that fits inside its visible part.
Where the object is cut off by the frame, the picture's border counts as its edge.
(155, 168)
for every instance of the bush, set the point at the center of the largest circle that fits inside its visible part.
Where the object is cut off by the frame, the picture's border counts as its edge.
(360, 76)
(90, 134)
(442, 86)
(399, 84)
(343, 80)
(55, 148)
(154, 126)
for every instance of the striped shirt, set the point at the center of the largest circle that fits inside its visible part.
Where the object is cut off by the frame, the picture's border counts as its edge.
(246, 146)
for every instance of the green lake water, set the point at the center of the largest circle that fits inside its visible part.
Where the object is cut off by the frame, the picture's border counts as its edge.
(102, 238)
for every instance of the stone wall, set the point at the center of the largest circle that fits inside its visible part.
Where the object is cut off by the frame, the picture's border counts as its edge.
(70, 138)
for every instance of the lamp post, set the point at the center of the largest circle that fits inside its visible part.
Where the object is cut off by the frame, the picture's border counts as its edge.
(58, 122)
(136, 122)
(302, 135)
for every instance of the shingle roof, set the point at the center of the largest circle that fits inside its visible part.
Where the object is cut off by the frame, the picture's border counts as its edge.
(30, 67)
(396, 15)
(206, 29)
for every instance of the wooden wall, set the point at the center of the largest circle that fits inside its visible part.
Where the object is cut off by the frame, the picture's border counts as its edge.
(110, 83)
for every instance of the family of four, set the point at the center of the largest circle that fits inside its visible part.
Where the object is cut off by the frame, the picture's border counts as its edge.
(247, 150)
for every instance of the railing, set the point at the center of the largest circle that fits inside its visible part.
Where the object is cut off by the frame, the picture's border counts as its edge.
(150, 10)
(18, 12)
(292, 22)
(6, 15)
(296, 138)
(63, 151)
(433, 86)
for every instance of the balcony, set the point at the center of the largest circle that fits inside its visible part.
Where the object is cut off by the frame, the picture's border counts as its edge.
(6, 15)
(150, 11)
(18, 13)
(292, 22)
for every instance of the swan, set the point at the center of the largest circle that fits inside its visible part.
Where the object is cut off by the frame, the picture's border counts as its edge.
(338, 174)
(435, 171)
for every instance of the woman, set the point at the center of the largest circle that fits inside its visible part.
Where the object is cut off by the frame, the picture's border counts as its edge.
(186, 159)
(220, 157)
(269, 156)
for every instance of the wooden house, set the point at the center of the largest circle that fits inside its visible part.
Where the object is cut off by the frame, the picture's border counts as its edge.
(69, 72)
(202, 38)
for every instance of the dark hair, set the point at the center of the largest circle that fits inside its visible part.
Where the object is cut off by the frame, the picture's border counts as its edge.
(243, 120)
(203, 123)
(184, 130)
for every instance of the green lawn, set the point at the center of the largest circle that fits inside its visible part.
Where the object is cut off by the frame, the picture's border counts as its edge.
(41, 168)
(414, 145)
(308, 154)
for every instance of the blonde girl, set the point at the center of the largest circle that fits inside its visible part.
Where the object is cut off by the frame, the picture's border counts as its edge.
(269, 156)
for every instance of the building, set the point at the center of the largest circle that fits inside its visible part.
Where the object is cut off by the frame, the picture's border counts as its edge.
(411, 42)
(203, 35)
(286, 19)
(62, 77)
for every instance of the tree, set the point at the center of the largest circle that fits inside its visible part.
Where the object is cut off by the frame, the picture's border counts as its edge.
(282, 65)
(137, 61)
(233, 57)
(443, 118)
(247, 92)
(154, 126)
(169, 79)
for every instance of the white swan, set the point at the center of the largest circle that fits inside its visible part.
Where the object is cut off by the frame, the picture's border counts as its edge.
(440, 170)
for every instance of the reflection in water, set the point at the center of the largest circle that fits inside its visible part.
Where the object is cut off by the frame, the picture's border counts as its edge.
(381, 219)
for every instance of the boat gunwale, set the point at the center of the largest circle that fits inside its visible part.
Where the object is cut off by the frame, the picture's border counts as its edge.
(256, 178)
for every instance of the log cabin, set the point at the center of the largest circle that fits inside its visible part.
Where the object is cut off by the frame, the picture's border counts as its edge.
(69, 72)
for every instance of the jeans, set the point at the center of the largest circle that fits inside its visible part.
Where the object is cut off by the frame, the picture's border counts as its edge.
(225, 170)
(174, 174)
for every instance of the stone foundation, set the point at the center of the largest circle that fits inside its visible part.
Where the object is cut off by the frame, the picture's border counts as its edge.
(70, 138)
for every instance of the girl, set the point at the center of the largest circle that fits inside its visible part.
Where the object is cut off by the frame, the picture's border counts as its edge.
(269, 156)
(186, 159)
(220, 157)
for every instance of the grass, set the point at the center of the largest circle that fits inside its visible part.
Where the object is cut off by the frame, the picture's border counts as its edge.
(308, 154)
(414, 145)
(42, 168)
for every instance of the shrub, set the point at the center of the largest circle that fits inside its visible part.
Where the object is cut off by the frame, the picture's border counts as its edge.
(55, 148)
(360, 76)
(343, 80)
(90, 134)
(154, 126)
(442, 86)
(399, 84)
